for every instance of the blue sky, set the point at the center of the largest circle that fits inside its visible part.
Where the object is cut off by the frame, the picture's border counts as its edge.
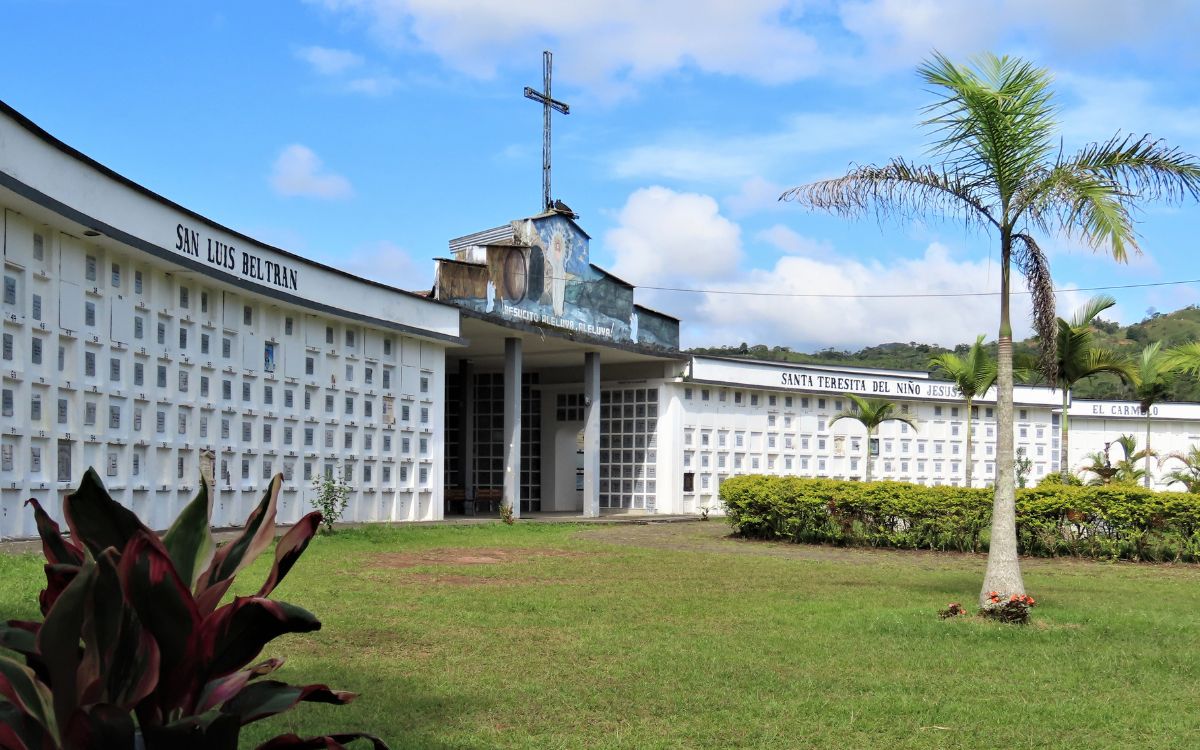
(366, 133)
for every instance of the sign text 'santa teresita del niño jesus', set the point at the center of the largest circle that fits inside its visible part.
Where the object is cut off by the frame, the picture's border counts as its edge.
(892, 387)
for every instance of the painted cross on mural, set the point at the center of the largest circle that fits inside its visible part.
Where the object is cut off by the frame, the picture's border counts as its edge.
(548, 103)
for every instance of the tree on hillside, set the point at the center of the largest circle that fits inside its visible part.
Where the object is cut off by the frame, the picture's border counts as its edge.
(871, 412)
(973, 373)
(1002, 168)
(1079, 358)
(1155, 367)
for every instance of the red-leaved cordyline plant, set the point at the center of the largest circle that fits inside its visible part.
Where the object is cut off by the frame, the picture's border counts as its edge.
(135, 651)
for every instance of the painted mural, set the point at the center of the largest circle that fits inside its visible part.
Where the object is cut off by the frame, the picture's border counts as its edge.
(543, 276)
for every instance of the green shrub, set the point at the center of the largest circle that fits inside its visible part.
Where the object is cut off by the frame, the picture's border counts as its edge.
(332, 496)
(1055, 480)
(1114, 522)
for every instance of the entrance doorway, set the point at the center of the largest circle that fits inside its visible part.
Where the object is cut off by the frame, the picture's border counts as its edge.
(487, 394)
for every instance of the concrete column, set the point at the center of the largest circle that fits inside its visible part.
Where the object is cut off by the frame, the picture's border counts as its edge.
(466, 433)
(512, 425)
(591, 434)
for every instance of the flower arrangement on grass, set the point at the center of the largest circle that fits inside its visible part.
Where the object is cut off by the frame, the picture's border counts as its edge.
(953, 609)
(1014, 609)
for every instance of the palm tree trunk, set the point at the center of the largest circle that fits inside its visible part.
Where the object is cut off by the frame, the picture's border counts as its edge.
(970, 458)
(868, 469)
(1147, 477)
(1003, 566)
(1063, 454)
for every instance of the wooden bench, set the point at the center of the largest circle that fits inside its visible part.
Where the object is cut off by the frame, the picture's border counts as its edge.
(456, 500)
(487, 496)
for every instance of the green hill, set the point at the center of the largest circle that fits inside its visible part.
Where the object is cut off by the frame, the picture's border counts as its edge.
(1171, 328)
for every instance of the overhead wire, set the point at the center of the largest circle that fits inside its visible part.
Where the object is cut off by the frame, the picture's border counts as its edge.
(908, 295)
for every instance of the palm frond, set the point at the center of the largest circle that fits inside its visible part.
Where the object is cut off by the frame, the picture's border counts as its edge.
(1087, 312)
(1074, 343)
(1143, 165)
(871, 412)
(1128, 444)
(973, 374)
(1153, 375)
(1082, 205)
(1035, 267)
(1185, 358)
(1189, 474)
(905, 419)
(1099, 216)
(1091, 193)
(981, 367)
(949, 363)
(1191, 459)
(995, 117)
(1106, 360)
(1027, 369)
(1189, 480)
(896, 190)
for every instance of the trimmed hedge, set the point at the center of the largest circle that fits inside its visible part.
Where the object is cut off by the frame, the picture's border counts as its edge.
(1111, 522)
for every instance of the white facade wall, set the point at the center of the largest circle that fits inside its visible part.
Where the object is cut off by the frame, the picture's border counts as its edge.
(1174, 428)
(729, 431)
(726, 419)
(113, 362)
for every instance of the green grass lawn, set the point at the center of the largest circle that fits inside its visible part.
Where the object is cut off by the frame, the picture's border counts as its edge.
(674, 636)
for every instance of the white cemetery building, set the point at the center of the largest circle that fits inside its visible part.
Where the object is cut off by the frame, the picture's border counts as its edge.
(152, 343)
(142, 339)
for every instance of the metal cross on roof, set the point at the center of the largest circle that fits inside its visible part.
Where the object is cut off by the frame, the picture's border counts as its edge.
(548, 103)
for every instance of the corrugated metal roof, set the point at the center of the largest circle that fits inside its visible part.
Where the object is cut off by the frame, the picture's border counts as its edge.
(498, 235)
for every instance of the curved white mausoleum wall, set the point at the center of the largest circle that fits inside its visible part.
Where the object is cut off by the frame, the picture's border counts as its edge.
(144, 340)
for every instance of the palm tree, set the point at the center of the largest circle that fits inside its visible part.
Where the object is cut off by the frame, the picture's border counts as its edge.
(973, 374)
(1154, 369)
(1189, 475)
(871, 412)
(1127, 468)
(1003, 169)
(1079, 358)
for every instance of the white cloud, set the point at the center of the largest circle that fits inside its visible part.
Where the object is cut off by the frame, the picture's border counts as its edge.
(611, 42)
(349, 72)
(896, 34)
(667, 238)
(792, 242)
(1098, 107)
(388, 263)
(665, 235)
(328, 61)
(375, 85)
(670, 239)
(745, 158)
(755, 195)
(298, 172)
(615, 44)
(852, 322)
